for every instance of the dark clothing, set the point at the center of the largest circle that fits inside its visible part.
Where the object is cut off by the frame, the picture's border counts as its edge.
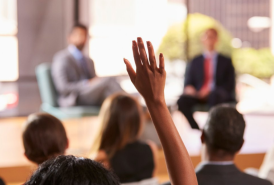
(2, 182)
(223, 91)
(133, 163)
(224, 75)
(209, 174)
(226, 175)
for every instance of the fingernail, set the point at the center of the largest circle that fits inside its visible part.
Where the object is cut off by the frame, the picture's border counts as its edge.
(139, 39)
(161, 55)
(148, 43)
(133, 43)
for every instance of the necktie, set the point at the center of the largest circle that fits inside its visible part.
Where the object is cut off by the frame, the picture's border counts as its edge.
(85, 68)
(208, 73)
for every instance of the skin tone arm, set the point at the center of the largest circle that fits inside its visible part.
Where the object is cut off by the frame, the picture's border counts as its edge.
(149, 80)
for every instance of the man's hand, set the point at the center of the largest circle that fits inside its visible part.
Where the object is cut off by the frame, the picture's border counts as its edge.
(203, 93)
(190, 90)
(92, 79)
(148, 79)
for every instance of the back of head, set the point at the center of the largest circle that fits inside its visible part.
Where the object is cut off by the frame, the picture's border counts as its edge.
(64, 170)
(44, 137)
(224, 130)
(122, 122)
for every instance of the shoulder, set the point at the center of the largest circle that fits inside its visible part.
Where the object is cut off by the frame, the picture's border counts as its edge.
(255, 180)
(61, 55)
(197, 58)
(223, 57)
(153, 148)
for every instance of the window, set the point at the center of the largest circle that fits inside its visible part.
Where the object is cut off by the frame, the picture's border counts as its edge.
(8, 41)
(114, 23)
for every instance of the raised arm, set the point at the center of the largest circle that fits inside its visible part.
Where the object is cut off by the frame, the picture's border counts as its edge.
(149, 80)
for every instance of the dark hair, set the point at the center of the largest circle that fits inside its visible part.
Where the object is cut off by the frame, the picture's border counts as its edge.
(65, 170)
(44, 137)
(224, 129)
(122, 122)
(79, 25)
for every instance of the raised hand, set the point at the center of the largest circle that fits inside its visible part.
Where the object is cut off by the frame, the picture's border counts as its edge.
(148, 79)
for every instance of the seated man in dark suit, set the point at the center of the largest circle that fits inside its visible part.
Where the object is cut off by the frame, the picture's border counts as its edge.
(210, 79)
(74, 74)
(221, 139)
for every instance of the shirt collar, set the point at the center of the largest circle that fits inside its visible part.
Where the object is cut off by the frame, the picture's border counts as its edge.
(222, 163)
(212, 54)
(76, 53)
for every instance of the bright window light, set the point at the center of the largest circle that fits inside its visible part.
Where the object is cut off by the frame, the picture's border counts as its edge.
(115, 23)
(8, 41)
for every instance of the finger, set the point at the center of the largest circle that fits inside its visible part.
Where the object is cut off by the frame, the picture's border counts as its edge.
(162, 62)
(151, 54)
(130, 71)
(136, 54)
(142, 51)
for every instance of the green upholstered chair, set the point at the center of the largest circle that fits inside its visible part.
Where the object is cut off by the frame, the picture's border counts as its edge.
(49, 97)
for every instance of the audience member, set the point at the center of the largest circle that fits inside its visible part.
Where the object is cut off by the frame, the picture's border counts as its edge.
(74, 74)
(209, 79)
(221, 139)
(149, 80)
(44, 137)
(64, 170)
(120, 147)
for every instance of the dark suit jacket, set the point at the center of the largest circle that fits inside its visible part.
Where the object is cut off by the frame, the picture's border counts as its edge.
(2, 182)
(68, 77)
(224, 75)
(226, 175)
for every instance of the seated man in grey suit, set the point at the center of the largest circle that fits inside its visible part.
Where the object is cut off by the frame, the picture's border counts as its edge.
(222, 138)
(74, 74)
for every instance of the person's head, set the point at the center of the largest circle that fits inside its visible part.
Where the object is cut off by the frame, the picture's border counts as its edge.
(65, 170)
(223, 133)
(44, 137)
(78, 36)
(210, 39)
(121, 117)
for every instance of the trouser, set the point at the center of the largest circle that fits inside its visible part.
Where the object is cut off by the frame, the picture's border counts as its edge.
(186, 104)
(98, 90)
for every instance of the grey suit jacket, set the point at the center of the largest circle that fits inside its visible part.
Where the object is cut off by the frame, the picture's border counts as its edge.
(209, 174)
(68, 77)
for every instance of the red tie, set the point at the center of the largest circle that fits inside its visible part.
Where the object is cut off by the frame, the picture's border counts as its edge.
(207, 74)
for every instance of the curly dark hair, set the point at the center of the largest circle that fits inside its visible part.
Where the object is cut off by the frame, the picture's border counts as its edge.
(71, 170)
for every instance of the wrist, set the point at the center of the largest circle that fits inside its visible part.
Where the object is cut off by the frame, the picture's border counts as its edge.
(155, 102)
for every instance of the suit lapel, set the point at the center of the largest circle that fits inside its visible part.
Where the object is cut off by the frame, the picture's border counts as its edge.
(217, 70)
(73, 62)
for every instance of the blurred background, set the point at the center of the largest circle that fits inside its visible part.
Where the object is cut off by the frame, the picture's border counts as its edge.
(31, 32)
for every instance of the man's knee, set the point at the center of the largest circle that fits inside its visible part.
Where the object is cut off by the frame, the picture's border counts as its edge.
(185, 102)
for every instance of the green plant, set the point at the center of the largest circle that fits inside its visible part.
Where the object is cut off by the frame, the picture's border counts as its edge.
(174, 42)
(259, 63)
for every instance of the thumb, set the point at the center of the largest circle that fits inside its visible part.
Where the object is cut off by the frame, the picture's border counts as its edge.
(130, 71)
